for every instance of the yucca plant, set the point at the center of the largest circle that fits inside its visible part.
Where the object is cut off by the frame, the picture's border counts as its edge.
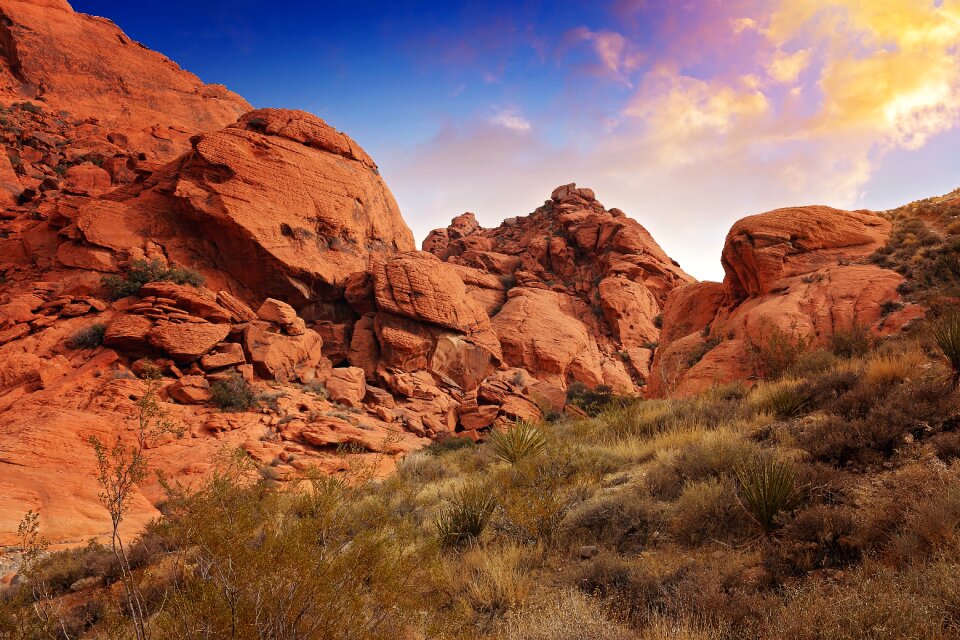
(465, 518)
(518, 442)
(946, 335)
(767, 487)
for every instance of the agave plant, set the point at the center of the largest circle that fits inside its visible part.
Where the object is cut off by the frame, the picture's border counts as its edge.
(946, 335)
(465, 518)
(518, 442)
(766, 489)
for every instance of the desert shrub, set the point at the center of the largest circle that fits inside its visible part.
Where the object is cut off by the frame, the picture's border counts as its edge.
(59, 570)
(567, 616)
(707, 510)
(766, 488)
(27, 106)
(874, 602)
(518, 442)
(491, 580)
(305, 563)
(784, 398)
(851, 342)
(535, 496)
(465, 519)
(814, 361)
(621, 519)
(775, 352)
(233, 394)
(592, 401)
(945, 333)
(140, 272)
(817, 537)
(452, 443)
(89, 337)
(716, 454)
(702, 349)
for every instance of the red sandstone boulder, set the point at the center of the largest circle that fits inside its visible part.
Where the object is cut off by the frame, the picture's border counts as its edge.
(190, 390)
(86, 180)
(187, 341)
(762, 249)
(279, 357)
(347, 386)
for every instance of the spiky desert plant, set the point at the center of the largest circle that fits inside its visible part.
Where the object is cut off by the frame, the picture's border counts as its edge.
(946, 335)
(518, 442)
(766, 488)
(465, 518)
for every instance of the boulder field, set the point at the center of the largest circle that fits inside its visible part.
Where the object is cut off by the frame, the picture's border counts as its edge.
(149, 220)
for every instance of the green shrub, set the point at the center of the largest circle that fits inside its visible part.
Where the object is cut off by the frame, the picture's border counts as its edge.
(466, 517)
(518, 442)
(702, 349)
(89, 337)
(27, 106)
(767, 488)
(848, 343)
(452, 443)
(140, 272)
(592, 401)
(233, 394)
(775, 352)
(946, 335)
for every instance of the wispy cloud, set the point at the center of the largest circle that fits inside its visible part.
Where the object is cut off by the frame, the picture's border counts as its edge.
(510, 119)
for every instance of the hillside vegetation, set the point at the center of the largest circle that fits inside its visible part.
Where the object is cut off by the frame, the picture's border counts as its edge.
(823, 504)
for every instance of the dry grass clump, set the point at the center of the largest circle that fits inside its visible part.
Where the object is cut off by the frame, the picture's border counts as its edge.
(888, 368)
(567, 615)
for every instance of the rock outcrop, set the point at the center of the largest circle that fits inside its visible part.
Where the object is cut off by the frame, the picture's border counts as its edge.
(86, 66)
(798, 273)
(573, 290)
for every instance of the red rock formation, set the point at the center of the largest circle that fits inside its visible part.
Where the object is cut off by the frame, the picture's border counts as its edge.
(800, 271)
(573, 289)
(87, 67)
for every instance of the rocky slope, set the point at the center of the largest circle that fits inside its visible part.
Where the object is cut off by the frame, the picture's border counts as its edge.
(297, 273)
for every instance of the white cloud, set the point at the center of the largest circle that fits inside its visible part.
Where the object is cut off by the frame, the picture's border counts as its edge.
(511, 119)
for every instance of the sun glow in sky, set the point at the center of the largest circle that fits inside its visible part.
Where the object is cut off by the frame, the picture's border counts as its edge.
(686, 114)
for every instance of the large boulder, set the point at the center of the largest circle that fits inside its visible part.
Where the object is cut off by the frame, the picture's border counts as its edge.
(797, 273)
(292, 205)
(761, 250)
(188, 340)
(280, 357)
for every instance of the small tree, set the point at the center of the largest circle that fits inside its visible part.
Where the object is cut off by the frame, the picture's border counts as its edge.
(120, 468)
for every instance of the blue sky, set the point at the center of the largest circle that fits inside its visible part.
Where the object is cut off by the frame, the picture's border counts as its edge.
(687, 115)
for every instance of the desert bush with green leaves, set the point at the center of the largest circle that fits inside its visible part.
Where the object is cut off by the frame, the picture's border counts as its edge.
(824, 503)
